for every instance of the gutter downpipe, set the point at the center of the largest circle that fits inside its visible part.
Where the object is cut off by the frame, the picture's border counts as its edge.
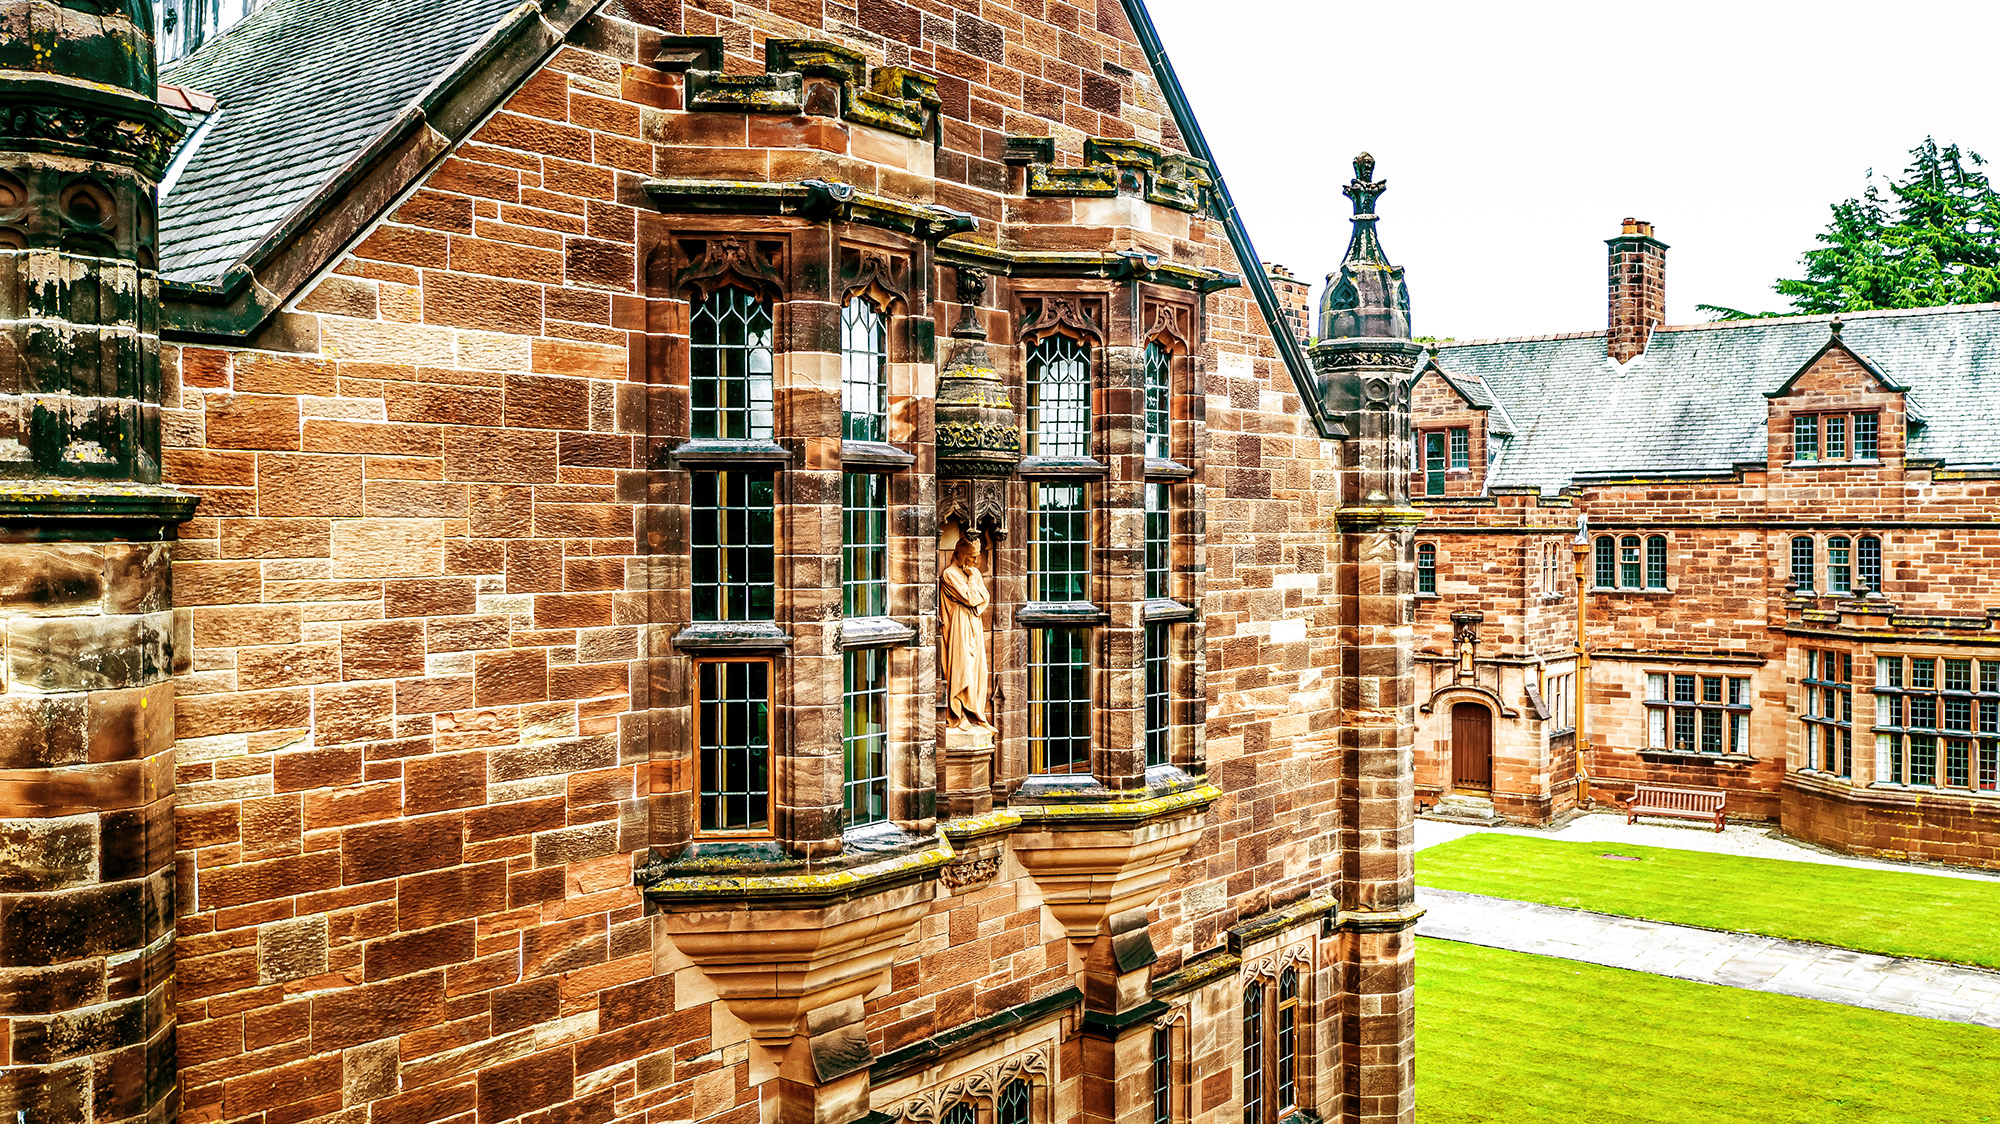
(1289, 349)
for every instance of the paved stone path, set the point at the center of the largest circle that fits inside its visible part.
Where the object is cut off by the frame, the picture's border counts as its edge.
(1811, 971)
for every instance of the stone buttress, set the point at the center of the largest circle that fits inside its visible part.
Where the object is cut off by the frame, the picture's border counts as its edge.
(1366, 363)
(86, 536)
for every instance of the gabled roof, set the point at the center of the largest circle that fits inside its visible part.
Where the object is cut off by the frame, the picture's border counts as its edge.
(1695, 403)
(1472, 390)
(317, 100)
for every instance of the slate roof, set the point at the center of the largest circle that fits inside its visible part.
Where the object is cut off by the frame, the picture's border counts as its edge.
(303, 87)
(1694, 402)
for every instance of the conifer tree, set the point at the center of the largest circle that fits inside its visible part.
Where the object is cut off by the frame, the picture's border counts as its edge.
(1933, 238)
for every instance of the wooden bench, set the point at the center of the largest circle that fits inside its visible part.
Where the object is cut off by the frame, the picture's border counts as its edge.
(1679, 803)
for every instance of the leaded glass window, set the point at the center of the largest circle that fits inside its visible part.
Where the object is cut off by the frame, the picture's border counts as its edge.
(1059, 547)
(1606, 562)
(1802, 562)
(734, 743)
(1805, 437)
(1253, 1053)
(1159, 750)
(1629, 574)
(1427, 568)
(734, 553)
(1924, 702)
(1868, 561)
(864, 738)
(1288, 1040)
(1865, 445)
(1656, 562)
(1836, 437)
(1434, 464)
(1058, 398)
(1461, 448)
(729, 365)
(1059, 700)
(1163, 1075)
(1015, 1103)
(1158, 539)
(864, 546)
(1697, 713)
(962, 1113)
(864, 372)
(1159, 402)
(1839, 565)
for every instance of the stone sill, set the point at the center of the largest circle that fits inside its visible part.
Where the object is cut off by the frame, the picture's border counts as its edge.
(1856, 463)
(1167, 609)
(1167, 469)
(878, 455)
(874, 632)
(745, 636)
(715, 874)
(706, 451)
(1056, 614)
(1087, 468)
(1674, 756)
(1648, 592)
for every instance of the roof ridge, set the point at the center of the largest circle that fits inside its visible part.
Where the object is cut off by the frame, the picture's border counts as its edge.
(1599, 334)
(1721, 325)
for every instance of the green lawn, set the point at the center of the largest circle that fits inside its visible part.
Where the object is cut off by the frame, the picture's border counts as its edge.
(1889, 912)
(1505, 1036)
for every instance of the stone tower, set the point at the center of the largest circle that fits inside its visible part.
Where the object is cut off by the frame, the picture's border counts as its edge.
(86, 530)
(1365, 361)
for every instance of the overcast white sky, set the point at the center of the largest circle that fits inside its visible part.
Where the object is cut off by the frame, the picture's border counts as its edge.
(1516, 136)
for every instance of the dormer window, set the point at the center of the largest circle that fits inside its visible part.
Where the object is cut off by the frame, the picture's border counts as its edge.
(1835, 437)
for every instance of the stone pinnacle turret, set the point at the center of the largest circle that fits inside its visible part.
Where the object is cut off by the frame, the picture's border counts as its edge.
(1366, 296)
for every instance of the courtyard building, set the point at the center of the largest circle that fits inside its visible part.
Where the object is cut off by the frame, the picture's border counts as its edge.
(625, 560)
(1783, 536)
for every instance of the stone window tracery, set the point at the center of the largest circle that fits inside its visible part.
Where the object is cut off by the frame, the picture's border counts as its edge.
(1016, 1103)
(730, 365)
(1058, 397)
(864, 371)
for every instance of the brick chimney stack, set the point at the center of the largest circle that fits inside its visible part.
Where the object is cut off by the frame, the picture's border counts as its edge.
(1638, 289)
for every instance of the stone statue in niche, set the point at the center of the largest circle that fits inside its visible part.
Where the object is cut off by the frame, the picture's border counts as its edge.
(962, 637)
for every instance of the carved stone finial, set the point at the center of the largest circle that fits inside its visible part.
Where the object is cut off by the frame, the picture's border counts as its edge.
(1837, 325)
(1365, 298)
(971, 294)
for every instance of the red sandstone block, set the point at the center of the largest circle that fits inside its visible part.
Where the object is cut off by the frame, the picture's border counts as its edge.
(435, 784)
(402, 847)
(426, 1105)
(267, 881)
(525, 817)
(386, 650)
(512, 457)
(353, 713)
(434, 694)
(514, 1088)
(484, 974)
(513, 676)
(351, 1016)
(418, 950)
(425, 900)
(252, 421)
(353, 804)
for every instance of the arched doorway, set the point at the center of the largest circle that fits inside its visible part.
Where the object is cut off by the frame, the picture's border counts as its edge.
(1471, 747)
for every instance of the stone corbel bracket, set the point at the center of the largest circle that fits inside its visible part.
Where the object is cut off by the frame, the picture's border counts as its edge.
(1114, 166)
(778, 947)
(892, 98)
(1101, 860)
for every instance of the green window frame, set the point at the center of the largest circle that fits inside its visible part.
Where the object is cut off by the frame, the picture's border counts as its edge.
(1159, 695)
(1427, 568)
(1159, 401)
(733, 744)
(1059, 700)
(864, 737)
(864, 371)
(1434, 464)
(864, 544)
(733, 546)
(1059, 543)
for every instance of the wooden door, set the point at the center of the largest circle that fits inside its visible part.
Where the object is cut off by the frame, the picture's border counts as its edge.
(1472, 747)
